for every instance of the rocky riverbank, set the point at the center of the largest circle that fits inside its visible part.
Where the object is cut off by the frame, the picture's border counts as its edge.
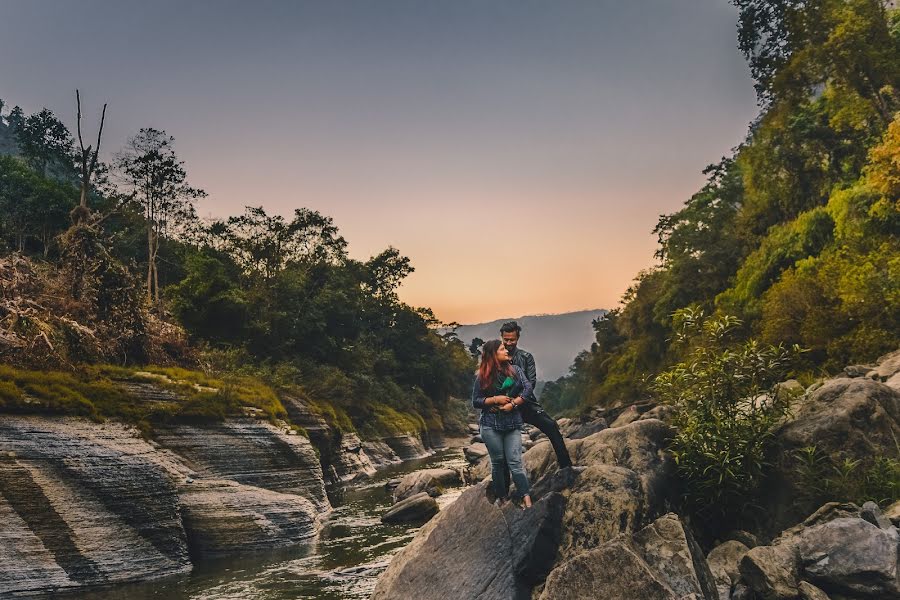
(86, 504)
(605, 528)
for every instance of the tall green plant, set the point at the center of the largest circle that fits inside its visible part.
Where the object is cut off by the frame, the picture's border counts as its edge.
(727, 401)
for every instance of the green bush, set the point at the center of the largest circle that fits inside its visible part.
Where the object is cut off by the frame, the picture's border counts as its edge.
(830, 478)
(726, 402)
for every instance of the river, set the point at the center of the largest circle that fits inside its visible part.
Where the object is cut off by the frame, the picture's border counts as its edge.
(342, 563)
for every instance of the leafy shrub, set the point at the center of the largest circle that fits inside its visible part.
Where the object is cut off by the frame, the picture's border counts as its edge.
(726, 402)
(830, 478)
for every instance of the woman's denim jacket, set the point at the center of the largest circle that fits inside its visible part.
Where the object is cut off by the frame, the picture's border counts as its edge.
(496, 419)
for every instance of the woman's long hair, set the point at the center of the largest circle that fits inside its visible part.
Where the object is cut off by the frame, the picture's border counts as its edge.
(490, 366)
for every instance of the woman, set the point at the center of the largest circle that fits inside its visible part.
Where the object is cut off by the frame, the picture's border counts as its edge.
(498, 391)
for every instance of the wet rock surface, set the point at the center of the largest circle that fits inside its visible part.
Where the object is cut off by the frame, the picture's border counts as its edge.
(416, 508)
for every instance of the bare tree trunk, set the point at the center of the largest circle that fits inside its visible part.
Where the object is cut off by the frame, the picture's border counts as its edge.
(88, 164)
(149, 262)
(156, 281)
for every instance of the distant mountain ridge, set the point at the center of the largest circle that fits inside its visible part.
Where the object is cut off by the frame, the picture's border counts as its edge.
(554, 340)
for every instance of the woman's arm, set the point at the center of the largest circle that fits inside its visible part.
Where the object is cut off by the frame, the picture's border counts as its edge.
(479, 400)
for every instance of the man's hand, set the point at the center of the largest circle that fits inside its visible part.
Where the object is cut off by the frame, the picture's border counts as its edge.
(518, 401)
(509, 406)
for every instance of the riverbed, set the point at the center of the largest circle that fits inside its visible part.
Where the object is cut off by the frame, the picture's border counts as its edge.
(343, 563)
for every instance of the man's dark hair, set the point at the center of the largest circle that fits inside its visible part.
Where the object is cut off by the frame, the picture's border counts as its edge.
(511, 327)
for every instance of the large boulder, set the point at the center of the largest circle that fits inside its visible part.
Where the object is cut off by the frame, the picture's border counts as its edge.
(842, 549)
(431, 481)
(659, 562)
(852, 556)
(475, 549)
(605, 501)
(724, 563)
(224, 518)
(415, 509)
(475, 452)
(772, 571)
(855, 418)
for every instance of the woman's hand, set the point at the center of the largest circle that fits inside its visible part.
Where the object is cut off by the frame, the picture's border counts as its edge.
(497, 401)
(518, 401)
(509, 406)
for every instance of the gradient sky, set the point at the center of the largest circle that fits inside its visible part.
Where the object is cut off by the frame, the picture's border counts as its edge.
(519, 152)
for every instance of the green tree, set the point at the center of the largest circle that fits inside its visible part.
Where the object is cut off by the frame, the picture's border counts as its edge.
(45, 143)
(157, 182)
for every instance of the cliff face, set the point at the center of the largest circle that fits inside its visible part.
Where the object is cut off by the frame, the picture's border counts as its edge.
(86, 504)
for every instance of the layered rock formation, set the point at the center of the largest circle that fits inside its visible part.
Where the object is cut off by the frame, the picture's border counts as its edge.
(86, 504)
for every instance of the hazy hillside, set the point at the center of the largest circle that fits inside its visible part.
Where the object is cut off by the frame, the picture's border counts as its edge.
(554, 340)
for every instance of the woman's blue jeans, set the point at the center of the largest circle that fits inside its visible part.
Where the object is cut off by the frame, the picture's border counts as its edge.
(505, 449)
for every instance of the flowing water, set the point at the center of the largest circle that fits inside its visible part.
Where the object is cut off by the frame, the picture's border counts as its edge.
(342, 563)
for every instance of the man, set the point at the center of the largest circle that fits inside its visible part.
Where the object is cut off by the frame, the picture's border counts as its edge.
(532, 411)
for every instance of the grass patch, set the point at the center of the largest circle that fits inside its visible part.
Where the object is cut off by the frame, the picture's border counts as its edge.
(387, 421)
(98, 393)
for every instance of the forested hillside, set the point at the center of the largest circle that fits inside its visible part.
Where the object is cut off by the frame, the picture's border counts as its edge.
(797, 231)
(131, 277)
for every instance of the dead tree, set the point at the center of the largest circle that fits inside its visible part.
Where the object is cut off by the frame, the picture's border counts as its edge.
(88, 164)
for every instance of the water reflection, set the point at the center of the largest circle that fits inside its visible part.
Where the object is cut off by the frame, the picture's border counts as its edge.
(342, 563)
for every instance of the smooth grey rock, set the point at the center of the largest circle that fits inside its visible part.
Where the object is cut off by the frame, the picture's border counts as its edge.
(430, 481)
(474, 549)
(418, 508)
(380, 454)
(871, 513)
(724, 563)
(772, 571)
(225, 518)
(475, 452)
(810, 592)
(851, 555)
(407, 447)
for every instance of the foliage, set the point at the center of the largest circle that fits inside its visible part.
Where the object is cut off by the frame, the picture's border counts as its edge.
(157, 182)
(726, 402)
(795, 233)
(824, 477)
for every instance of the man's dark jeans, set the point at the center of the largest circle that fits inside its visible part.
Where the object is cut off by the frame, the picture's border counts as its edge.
(535, 415)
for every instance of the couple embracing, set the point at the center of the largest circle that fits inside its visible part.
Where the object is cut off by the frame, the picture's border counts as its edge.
(504, 392)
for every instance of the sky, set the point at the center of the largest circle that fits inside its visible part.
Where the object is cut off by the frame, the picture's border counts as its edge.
(520, 152)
